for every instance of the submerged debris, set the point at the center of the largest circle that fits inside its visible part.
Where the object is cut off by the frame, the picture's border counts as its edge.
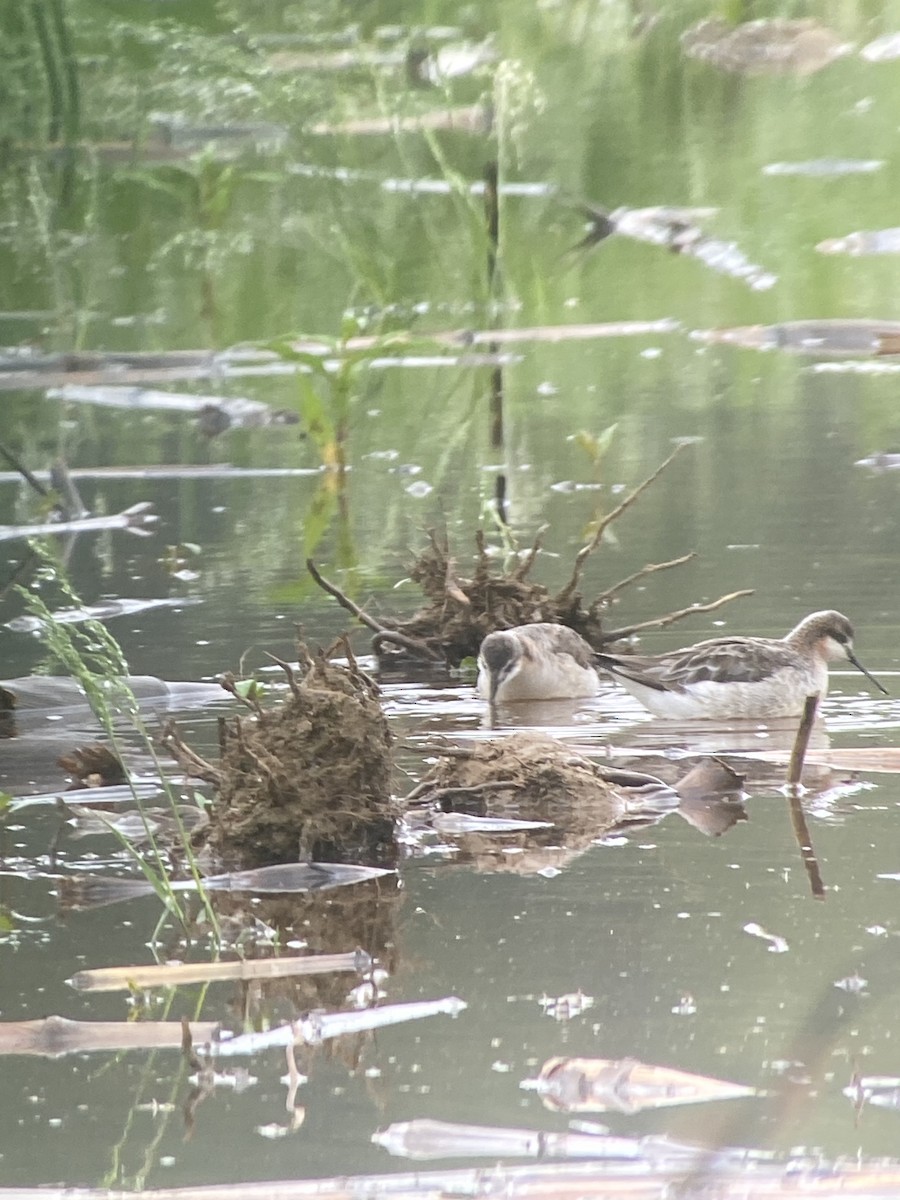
(93, 766)
(625, 1085)
(105, 611)
(55, 1036)
(836, 337)
(826, 168)
(425, 1139)
(881, 460)
(79, 892)
(216, 413)
(139, 519)
(317, 1027)
(677, 230)
(775, 46)
(164, 826)
(863, 241)
(112, 979)
(471, 118)
(883, 49)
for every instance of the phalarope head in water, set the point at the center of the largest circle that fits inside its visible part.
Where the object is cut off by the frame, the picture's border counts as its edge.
(739, 676)
(541, 661)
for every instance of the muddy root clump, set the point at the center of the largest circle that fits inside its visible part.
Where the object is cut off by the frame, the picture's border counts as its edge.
(308, 779)
(527, 775)
(459, 612)
(532, 777)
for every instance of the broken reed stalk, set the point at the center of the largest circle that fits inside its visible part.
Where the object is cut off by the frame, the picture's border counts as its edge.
(798, 817)
(801, 741)
(804, 841)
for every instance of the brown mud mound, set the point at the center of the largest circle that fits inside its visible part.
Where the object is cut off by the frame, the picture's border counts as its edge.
(532, 776)
(522, 770)
(307, 779)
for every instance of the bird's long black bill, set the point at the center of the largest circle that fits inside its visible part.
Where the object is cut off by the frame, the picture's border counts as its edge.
(867, 674)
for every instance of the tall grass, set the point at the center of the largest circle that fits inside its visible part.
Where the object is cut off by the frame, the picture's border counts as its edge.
(92, 656)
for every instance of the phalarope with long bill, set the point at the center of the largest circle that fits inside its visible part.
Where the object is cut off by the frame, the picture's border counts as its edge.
(541, 661)
(739, 676)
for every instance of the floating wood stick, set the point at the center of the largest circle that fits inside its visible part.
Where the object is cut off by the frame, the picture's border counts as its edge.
(54, 1037)
(116, 979)
(135, 519)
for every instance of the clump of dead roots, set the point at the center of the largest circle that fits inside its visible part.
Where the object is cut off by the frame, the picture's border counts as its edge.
(460, 611)
(306, 779)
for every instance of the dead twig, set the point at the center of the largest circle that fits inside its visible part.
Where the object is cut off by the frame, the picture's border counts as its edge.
(360, 677)
(489, 785)
(416, 647)
(522, 570)
(343, 600)
(289, 672)
(650, 569)
(228, 684)
(616, 635)
(189, 761)
(606, 521)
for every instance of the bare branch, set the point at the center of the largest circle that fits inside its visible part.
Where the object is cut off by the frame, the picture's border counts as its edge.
(606, 521)
(289, 672)
(228, 684)
(527, 562)
(650, 569)
(343, 600)
(189, 761)
(616, 635)
(415, 646)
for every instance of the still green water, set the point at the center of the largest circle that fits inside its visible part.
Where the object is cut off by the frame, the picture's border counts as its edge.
(208, 245)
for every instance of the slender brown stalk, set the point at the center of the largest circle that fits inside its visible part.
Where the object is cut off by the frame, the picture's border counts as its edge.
(801, 741)
(798, 817)
(650, 569)
(616, 635)
(585, 551)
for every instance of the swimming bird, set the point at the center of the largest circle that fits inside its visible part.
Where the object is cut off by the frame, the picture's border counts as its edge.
(739, 676)
(541, 661)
